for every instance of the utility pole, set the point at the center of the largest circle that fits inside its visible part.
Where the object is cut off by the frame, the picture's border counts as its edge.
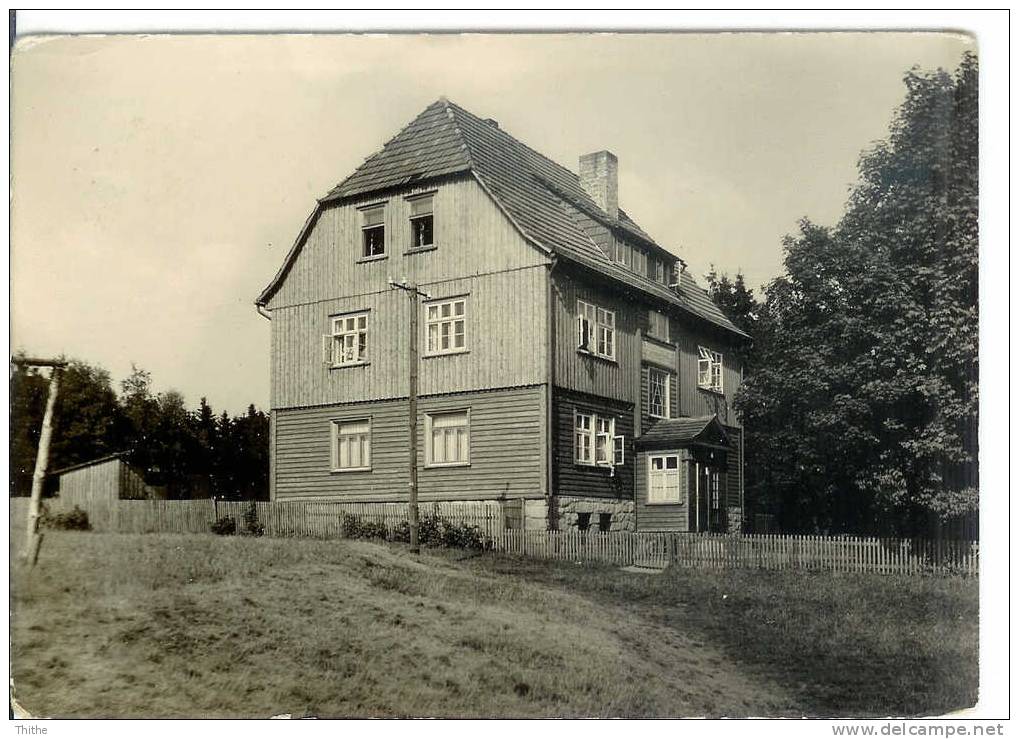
(33, 540)
(412, 394)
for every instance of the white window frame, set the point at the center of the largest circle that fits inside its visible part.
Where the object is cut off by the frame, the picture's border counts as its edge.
(596, 330)
(583, 438)
(595, 442)
(709, 369)
(335, 436)
(653, 475)
(666, 377)
(656, 316)
(335, 344)
(439, 320)
(429, 425)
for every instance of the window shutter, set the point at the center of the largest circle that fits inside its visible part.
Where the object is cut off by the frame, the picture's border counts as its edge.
(327, 350)
(618, 451)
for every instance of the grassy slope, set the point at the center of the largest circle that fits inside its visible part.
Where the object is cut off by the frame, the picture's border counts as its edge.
(160, 625)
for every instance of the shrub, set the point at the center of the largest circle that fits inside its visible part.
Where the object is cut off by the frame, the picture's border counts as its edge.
(73, 520)
(352, 527)
(434, 531)
(224, 526)
(252, 527)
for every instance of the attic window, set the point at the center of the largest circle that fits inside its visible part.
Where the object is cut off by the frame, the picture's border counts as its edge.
(373, 232)
(421, 222)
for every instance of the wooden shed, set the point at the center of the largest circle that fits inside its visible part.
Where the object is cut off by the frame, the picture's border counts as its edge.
(104, 479)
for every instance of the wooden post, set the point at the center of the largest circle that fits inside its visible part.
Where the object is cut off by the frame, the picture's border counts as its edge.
(42, 458)
(412, 391)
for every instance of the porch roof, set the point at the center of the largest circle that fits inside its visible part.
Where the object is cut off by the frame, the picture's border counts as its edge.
(672, 433)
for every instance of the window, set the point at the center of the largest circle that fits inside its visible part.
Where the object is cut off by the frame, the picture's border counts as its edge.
(658, 325)
(373, 231)
(596, 330)
(583, 521)
(595, 442)
(640, 262)
(659, 271)
(663, 479)
(709, 369)
(421, 222)
(714, 491)
(351, 445)
(348, 343)
(448, 437)
(620, 249)
(582, 444)
(658, 393)
(604, 522)
(604, 431)
(446, 326)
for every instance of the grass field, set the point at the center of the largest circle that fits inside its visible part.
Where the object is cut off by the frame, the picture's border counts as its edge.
(201, 626)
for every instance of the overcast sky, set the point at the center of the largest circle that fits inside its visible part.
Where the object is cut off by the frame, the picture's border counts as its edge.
(159, 181)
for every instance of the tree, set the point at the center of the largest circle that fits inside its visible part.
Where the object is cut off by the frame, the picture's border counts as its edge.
(864, 395)
(88, 422)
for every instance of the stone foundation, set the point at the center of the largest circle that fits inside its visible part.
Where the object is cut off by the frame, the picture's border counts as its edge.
(621, 512)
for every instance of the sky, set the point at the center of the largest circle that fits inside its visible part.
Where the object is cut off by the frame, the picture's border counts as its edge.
(159, 181)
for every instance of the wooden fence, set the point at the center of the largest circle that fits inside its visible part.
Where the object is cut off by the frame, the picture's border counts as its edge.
(768, 552)
(279, 519)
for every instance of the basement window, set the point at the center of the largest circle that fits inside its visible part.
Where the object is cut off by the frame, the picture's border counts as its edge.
(604, 522)
(583, 521)
(373, 232)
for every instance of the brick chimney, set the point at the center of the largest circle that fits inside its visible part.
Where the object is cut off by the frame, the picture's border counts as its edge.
(599, 177)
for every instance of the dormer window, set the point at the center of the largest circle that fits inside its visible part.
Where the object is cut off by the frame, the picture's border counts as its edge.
(421, 222)
(373, 231)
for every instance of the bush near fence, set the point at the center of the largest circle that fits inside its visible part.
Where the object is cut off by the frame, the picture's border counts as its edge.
(325, 520)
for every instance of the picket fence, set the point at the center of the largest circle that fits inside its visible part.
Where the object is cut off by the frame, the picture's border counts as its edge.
(647, 549)
(768, 552)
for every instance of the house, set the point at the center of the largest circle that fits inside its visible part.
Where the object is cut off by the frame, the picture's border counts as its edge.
(566, 360)
(105, 479)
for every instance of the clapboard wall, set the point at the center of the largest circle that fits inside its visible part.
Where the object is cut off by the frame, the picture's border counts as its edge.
(507, 450)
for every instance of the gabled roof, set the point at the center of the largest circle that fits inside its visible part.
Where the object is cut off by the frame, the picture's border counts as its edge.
(90, 463)
(673, 433)
(544, 200)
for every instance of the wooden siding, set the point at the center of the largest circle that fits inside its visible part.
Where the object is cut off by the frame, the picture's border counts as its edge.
(506, 320)
(585, 480)
(471, 235)
(109, 480)
(662, 516)
(96, 482)
(692, 400)
(734, 474)
(618, 379)
(507, 450)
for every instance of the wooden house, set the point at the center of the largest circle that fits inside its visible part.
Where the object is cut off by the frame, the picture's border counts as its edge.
(566, 360)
